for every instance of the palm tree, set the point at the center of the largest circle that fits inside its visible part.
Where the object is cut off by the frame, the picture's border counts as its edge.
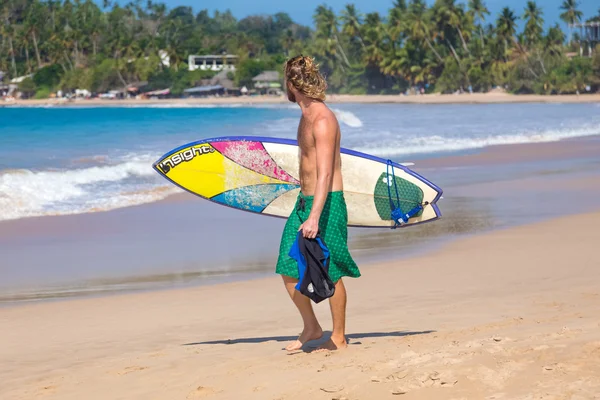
(400, 5)
(506, 27)
(327, 32)
(535, 21)
(396, 24)
(479, 10)
(554, 40)
(373, 33)
(351, 21)
(449, 15)
(34, 24)
(418, 28)
(9, 32)
(571, 14)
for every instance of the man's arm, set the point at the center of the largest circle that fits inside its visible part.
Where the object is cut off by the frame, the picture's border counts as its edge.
(324, 133)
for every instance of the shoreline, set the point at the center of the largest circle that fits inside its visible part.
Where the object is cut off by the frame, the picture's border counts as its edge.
(484, 320)
(475, 98)
(61, 229)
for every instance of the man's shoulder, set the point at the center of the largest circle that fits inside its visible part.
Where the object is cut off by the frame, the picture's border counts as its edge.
(325, 121)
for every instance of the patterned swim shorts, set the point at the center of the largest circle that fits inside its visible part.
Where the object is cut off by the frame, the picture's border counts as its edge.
(333, 226)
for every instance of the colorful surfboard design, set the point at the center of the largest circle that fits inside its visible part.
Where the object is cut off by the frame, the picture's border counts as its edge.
(260, 175)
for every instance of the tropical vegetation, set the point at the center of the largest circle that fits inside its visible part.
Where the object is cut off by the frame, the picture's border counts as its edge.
(445, 47)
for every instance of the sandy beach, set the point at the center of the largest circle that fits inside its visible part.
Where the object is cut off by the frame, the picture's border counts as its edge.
(475, 98)
(510, 314)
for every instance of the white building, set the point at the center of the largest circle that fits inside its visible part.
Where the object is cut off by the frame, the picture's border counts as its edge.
(212, 62)
(164, 58)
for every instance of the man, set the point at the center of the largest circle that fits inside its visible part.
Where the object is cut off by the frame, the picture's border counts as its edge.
(320, 207)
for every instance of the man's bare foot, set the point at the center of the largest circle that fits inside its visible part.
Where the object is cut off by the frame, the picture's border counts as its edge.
(333, 344)
(306, 336)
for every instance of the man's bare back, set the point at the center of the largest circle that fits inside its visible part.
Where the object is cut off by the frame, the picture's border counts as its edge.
(326, 121)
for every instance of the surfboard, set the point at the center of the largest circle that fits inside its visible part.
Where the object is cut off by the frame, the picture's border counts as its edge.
(261, 175)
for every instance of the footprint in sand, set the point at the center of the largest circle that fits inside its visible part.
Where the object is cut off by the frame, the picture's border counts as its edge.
(49, 389)
(202, 391)
(131, 369)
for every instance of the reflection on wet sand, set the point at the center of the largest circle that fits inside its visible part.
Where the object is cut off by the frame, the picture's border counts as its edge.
(461, 215)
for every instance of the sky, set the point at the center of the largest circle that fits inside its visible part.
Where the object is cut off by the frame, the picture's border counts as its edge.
(301, 11)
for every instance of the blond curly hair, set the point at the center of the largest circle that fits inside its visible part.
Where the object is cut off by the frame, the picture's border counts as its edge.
(303, 73)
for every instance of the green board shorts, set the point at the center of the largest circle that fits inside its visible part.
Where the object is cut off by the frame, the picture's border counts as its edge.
(333, 226)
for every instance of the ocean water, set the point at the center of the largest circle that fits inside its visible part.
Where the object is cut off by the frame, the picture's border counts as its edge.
(71, 160)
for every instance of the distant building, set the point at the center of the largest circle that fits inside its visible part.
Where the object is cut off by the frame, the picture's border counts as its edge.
(589, 33)
(220, 85)
(164, 58)
(268, 82)
(225, 62)
(20, 79)
(205, 91)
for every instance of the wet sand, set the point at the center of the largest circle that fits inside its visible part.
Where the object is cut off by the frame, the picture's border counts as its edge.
(156, 246)
(510, 314)
(475, 98)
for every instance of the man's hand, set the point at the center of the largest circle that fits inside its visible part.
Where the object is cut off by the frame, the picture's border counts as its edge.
(310, 228)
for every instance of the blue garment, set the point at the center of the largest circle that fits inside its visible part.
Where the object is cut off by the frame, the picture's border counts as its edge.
(312, 256)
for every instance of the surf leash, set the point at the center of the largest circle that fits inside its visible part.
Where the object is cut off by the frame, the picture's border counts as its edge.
(398, 216)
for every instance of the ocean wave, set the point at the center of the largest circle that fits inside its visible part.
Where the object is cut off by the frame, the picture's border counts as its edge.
(348, 118)
(439, 144)
(287, 126)
(27, 193)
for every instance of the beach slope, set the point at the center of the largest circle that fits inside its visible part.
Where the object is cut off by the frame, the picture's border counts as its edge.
(511, 314)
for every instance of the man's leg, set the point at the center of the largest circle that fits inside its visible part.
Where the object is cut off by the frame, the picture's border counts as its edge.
(337, 303)
(312, 330)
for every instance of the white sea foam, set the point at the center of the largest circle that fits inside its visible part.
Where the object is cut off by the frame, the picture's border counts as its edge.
(286, 127)
(348, 118)
(26, 193)
(434, 144)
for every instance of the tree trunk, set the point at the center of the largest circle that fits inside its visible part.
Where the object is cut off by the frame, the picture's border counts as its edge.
(117, 69)
(37, 51)
(68, 59)
(27, 60)
(440, 59)
(541, 61)
(76, 53)
(12, 55)
(463, 40)
(341, 50)
(453, 52)
(362, 43)
(481, 36)
(121, 78)
(533, 72)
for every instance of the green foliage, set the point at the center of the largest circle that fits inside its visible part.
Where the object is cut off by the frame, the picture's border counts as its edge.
(248, 69)
(43, 93)
(27, 87)
(480, 79)
(452, 78)
(444, 46)
(48, 76)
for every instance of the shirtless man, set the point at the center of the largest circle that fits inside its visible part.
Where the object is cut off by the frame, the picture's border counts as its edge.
(320, 206)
